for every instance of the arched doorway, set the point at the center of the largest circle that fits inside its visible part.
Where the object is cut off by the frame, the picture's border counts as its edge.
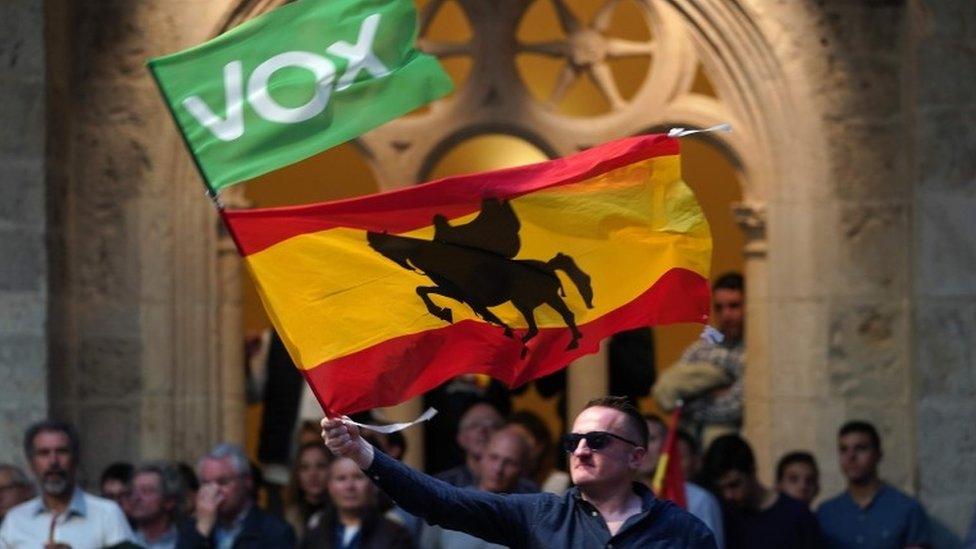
(524, 69)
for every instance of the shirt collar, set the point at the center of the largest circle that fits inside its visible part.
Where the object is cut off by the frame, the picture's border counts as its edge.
(168, 537)
(877, 495)
(76, 506)
(643, 492)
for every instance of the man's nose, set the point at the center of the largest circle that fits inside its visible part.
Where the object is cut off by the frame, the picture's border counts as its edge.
(582, 449)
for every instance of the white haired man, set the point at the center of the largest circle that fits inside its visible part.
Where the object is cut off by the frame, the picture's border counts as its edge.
(226, 516)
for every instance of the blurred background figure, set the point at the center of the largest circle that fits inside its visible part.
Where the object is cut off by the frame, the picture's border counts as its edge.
(870, 512)
(755, 516)
(353, 521)
(708, 376)
(190, 488)
(157, 492)
(501, 468)
(700, 502)
(541, 467)
(15, 488)
(63, 514)
(452, 400)
(116, 484)
(477, 424)
(307, 492)
(797, 476)
(225, 508)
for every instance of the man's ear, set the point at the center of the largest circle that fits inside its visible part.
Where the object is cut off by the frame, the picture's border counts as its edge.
(636, 456)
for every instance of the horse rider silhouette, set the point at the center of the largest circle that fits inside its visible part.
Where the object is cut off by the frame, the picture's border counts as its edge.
(472, 264)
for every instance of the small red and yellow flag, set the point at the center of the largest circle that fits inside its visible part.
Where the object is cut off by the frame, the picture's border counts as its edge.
(512, 273)
(669, 480)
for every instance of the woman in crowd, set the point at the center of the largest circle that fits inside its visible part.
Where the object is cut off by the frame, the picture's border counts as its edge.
(353, 521)
(307, 492)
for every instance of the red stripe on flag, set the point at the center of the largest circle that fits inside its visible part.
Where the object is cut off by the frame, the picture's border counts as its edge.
(397, 369)
(411, 208)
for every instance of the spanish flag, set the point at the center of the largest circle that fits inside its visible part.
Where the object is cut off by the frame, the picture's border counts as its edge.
(512, 273)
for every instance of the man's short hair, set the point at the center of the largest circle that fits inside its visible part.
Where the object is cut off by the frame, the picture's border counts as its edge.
(188, 476)
(858, 426)
(17, 475)
(727, 453)
(51, 426)
(690, 440)
(731, 280)
(795, 457)
(170, 479)
(231, 452)
(534, 425)
(465, 419)
(120, 471)
(621, 404)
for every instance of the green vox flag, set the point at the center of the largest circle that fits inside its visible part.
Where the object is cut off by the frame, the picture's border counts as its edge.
(298, 80)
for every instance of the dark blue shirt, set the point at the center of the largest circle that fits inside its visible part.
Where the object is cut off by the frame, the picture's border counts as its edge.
(536, 520)
(891, 520)
(786, 524)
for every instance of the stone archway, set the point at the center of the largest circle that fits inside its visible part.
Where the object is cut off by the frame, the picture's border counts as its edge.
(754, 93)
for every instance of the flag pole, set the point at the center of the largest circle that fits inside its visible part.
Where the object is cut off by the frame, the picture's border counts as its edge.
(219, 206)
(211, 192)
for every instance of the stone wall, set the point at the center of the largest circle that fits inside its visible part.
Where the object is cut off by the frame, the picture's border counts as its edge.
(941, 98)
(832, 339)
(23, 251)
(871, 288)
(137, 360)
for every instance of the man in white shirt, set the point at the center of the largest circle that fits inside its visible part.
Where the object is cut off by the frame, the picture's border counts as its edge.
(63, 513)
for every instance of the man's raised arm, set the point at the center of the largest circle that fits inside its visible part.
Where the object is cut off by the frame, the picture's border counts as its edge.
(499, 519)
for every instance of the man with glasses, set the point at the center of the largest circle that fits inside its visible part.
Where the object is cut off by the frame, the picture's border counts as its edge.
(226, 516)
(157, 491)
(606, 508)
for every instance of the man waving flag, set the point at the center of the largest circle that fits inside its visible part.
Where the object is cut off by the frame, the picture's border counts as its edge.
(512, 273)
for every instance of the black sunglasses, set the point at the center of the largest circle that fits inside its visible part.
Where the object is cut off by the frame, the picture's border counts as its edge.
(595, 440)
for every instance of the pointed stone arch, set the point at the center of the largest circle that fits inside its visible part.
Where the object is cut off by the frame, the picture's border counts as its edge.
(776, 146)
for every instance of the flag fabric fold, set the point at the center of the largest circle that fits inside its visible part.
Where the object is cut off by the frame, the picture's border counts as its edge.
(294, 82)
(511, 273)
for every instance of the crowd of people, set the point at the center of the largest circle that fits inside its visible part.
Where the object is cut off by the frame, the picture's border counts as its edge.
(348, 489)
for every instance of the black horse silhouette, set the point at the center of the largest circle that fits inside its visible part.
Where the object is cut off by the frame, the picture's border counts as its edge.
(471, 265)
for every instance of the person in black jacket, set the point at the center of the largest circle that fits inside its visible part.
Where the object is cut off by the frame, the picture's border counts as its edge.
(353, 522)
(226, 515)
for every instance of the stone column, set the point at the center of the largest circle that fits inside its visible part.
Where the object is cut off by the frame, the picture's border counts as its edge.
(939, 95)
(24, 265)
(145, 356)
(586, 379)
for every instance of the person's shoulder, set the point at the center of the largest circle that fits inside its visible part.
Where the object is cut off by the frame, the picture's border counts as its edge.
(268, 523)
(833, 504)
(793, 507)
(669, 513)
(893, 497)
(22, 511)
(455, 475)
(392, 531)
(698, 491)
(100, 505)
